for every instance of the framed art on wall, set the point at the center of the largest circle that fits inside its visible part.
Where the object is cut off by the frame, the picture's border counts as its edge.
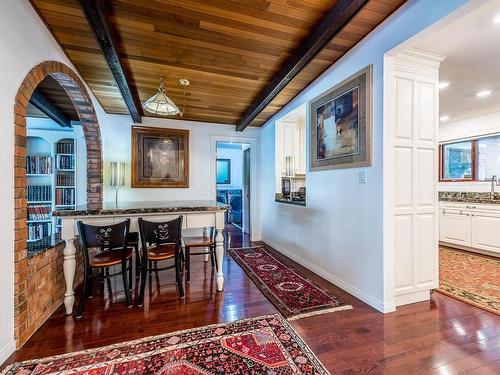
(160, 157)
(341, 124)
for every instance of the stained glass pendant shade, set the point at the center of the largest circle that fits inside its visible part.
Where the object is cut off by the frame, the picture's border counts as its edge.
(161, 104)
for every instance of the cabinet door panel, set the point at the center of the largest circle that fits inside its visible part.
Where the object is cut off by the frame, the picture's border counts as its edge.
(455, 227)
(486, 231)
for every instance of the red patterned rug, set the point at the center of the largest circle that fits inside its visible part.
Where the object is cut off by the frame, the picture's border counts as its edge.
(471, 278)
(293, 295)
(262, 345)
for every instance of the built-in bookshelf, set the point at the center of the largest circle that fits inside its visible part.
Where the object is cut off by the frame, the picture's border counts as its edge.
(51, 184)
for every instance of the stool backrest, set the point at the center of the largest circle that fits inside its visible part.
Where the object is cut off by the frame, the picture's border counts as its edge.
(160, 233)
(104, 237)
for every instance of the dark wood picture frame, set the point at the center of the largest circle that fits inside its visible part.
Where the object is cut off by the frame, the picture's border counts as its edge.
(173, 144)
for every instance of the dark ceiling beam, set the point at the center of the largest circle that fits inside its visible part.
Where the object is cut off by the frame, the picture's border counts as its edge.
(41, 103)
(96, 16)
(334, 21)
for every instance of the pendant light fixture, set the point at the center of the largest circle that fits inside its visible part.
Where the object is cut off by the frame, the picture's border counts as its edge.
(161, 104)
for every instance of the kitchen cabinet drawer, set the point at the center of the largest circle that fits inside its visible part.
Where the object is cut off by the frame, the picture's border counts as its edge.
(455, 227)
(485, 231)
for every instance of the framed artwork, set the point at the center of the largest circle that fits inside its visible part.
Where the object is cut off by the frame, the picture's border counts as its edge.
(160, 158)
(341, 124)
(223, 171)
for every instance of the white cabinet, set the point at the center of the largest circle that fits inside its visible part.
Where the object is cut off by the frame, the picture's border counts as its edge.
(471, 226)
(486, 231)
(293, 144)
(455, 227)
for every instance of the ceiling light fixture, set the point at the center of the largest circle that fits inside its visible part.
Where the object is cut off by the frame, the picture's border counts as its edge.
(161, 104)
(444, 118)
(483, 93)
(443, 84)
(497, 19)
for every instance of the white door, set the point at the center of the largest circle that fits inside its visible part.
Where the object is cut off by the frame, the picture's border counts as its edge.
(485, 231)
(454, 227)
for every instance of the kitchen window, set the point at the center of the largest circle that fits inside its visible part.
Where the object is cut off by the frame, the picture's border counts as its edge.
(470, 160)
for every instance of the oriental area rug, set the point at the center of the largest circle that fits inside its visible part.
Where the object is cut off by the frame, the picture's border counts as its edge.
(293, 295)
(470, 277)
(262, 345)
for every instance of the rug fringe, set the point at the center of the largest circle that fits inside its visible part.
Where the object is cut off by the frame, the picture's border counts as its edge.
(320, 312)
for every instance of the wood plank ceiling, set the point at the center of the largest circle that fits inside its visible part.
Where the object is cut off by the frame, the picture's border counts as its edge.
(229, 49)
(55, 94)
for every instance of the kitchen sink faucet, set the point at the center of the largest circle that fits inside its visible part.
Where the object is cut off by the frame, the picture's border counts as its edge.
(494, 181)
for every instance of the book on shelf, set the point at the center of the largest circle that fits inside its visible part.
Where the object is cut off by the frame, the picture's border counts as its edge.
(65, 196)
(37, 213)
(39, 231)
(38, 165)
(39, 193)
(65, 179)
(65, 162)
(65, 147)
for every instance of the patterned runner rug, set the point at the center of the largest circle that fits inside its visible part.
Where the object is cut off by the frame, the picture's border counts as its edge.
(469, 277)
(293, 295)
(262, 345)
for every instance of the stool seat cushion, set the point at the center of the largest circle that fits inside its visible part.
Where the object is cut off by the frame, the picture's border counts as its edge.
(198, 241)
(108, 258)
(161, 252)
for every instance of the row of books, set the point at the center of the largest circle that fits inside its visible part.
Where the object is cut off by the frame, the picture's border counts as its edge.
(65, 196)
(39, 213)
(65, 179)
(37, 193)
(66, 147)
(65, 162)
(38, 165)
(39, 231)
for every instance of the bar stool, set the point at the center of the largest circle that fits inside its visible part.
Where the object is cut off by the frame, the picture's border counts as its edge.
(111, 240)
(160, 241)
(207, 241)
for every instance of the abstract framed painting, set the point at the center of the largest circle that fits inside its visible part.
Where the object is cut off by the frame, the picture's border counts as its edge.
(341, 124)
(160, 157)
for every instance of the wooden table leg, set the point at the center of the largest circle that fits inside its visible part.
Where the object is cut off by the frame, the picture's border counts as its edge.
(69, 268)
(219, 253)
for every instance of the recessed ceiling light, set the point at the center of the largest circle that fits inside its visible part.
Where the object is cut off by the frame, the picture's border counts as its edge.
(444, 118)
(497, 19)
(443, 84)
(483, 93)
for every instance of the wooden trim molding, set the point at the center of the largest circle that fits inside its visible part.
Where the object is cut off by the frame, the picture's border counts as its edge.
(25, 325)
(142, 135)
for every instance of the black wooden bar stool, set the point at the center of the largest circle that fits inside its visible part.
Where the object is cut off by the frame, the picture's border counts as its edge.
(160, 241)
(110, 241)
(206, 241)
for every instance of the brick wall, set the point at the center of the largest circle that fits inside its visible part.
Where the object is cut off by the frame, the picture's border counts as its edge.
(30, 310)
(45, 286)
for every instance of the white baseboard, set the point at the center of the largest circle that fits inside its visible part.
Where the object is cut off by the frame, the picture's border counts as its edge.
(373, 302)
(6, 351)
(405, 299)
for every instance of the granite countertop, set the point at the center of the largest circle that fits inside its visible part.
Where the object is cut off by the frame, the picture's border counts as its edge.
(37, 247)
(297, 202)
(130, 208)
(469, 197)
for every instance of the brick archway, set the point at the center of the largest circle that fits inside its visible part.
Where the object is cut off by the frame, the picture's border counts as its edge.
(24, 323)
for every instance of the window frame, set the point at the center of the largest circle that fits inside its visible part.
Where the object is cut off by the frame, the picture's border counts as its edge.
(473, 162)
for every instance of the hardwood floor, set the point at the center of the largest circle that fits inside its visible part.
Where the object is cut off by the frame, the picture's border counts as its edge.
(442, 336)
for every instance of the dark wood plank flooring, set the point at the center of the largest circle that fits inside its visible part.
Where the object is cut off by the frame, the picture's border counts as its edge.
(442, 336)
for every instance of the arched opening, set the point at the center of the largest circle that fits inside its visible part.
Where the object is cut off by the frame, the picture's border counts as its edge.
(25, 323)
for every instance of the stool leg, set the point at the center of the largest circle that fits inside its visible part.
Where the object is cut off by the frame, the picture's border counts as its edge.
(188, 264)
(140, 302)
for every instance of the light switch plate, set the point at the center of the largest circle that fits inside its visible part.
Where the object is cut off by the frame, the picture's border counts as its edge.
(362, 177)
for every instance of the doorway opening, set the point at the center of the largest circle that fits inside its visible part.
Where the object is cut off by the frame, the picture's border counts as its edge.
(233, 183)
